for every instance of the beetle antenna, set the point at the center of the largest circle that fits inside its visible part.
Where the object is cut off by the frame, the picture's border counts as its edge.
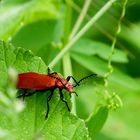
(77, 84)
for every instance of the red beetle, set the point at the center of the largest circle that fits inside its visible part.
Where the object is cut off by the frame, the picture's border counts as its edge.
(43, 82)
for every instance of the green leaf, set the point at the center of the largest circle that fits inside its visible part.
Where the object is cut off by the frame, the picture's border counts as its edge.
(37, 36)
(97, 120)
(98, 66)
(25, 13)
(132, 36)
(125, 120)
(92, 47)
(61, 124)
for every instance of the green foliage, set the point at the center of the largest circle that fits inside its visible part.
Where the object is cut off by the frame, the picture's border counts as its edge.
(97, 120)
(24, 13)
(97, 65)
(45, 27)
(100, 49)
(31, 122)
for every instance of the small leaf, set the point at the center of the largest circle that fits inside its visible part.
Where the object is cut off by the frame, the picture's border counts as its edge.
(60, 124)
(25, 13)
(103, 50)
(97, 120)
(98, 66)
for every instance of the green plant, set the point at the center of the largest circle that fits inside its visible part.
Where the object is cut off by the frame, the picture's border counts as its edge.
(53, 30)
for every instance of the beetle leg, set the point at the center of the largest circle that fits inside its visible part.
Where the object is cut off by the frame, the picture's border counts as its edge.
(29, 93)
(26, 93)
(48, 99)
(68, 78)
(62, 98)
(22, 95)
(49, 71)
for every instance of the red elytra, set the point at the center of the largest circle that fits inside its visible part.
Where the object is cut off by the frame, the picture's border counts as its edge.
(37, 81)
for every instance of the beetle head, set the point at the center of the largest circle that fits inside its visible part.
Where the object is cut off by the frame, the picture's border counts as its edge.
(69, 87)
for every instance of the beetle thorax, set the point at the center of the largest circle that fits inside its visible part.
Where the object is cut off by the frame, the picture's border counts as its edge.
(64, 84)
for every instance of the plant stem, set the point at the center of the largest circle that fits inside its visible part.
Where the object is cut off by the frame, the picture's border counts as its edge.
(80, 18)
(82, 31)
(67, 23)
(110, 68)
(118, 30)
(67, 68)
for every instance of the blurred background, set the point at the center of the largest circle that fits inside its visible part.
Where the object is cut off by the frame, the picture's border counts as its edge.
(43, 27)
